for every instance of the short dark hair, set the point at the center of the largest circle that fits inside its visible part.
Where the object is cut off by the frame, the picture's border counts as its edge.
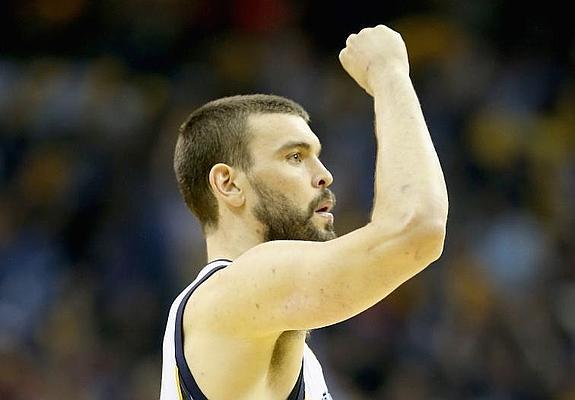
(217, 133)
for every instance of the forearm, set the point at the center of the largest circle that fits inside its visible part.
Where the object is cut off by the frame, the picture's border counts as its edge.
(409, 182)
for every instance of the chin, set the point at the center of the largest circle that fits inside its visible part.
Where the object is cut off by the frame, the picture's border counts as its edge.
(327, 233)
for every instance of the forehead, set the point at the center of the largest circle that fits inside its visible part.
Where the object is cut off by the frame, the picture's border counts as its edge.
(271, 131)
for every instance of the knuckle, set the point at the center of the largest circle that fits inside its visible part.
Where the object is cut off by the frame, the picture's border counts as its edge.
(350, 38)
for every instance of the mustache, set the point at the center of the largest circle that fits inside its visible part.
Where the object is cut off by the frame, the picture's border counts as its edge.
(325, 195)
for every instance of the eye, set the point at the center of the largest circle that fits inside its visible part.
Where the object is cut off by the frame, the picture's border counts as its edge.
(295, 157)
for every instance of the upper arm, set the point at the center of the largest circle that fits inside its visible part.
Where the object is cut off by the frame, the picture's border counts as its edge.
(297, 285)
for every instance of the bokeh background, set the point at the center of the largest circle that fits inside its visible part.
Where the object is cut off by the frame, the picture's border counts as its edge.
(95, 241)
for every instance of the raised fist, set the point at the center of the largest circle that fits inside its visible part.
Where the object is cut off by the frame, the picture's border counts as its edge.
(372, 53)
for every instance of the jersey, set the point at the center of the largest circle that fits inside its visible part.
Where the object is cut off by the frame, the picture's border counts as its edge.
(178, 382)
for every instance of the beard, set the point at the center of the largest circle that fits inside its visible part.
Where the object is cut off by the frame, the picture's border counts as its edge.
(283, 220)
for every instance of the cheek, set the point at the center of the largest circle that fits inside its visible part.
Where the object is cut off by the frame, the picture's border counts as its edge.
(295, 187)
(294, 182)
(284, 177)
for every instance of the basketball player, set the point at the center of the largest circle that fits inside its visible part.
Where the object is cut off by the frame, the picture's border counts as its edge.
(249, 169)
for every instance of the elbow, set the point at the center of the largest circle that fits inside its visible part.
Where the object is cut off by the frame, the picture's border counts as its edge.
(432, 240)
(427, 236)
(427, 228)
(419, 237)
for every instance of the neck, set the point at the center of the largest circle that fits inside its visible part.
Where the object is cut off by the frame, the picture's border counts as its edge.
(231, 242)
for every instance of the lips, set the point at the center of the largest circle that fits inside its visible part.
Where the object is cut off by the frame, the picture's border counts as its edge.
(325, 207)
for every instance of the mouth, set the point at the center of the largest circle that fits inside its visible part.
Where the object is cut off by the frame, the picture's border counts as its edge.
(325, 207)
(323, 211)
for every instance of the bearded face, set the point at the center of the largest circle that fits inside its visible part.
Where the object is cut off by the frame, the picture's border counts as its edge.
(284, 220)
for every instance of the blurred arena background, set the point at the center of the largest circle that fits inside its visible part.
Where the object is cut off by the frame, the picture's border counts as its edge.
(95, 241)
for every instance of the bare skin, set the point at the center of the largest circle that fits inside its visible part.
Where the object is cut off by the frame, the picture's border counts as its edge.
(246, 325)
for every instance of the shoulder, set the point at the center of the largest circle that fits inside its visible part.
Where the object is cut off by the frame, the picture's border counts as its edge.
(199, 299)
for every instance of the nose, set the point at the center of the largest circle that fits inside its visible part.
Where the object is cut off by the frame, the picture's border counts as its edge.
(323, 178)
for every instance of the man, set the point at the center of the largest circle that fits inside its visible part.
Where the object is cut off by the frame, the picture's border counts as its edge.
(248, 168)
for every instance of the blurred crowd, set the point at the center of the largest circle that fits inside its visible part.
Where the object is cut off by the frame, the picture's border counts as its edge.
(95, 241)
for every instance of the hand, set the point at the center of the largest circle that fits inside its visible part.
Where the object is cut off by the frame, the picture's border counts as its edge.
(372, 53)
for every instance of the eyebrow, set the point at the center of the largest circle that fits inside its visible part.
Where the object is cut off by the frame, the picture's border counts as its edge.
(296, 144)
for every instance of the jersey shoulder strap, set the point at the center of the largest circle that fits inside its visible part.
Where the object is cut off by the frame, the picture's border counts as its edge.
(189, 388)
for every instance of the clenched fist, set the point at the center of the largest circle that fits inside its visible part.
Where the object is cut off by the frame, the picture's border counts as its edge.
(372, 53)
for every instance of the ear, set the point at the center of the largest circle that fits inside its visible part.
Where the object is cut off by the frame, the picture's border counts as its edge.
(223, 182)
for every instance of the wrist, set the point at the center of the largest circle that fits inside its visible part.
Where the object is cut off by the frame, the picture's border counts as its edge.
(381, 78)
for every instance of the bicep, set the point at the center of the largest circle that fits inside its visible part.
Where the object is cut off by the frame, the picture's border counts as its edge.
(297, 285)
